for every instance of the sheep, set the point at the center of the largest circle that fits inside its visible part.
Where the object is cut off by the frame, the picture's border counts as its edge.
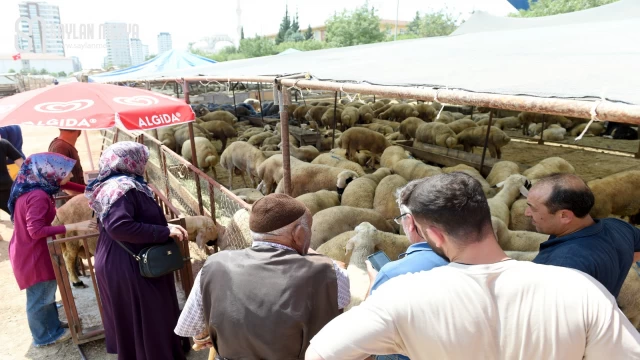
(307, 178)
(300, 112)
(511, 122)
(473, 172)
(328, 119)
(436, 133)
(476, 137)
(315, 114)
(409, 126)
(384, 200)
(616, 194)
(255, 103)
(392, 124)
(338, 161)
(392, 155)
(256, 140)
(364, 158)
(459, 125)
(358, 138)
(547, 167)
(248, 195)
(595, 129)
(335, 220)
(377, 105)
(536, 129)
(167, 137)
(412, 169)
(380, 110)
(305, 153)
(393, 245)
(361, 192)
(202, 230)
(396, 136)
(379, 128)
(206, 153)
(270, 171)
(349, 117)
(320, 200)
(220, 130)
(221, 115)
(235, 235)
(243, 157)
(517, 219)
(182, 134)
(426, 112)
(528, 118)
(356, 104)
(366, 114)
(399, 112)
(553, 134)
(501, 171)
(445, 118)
(247, 134)
(516, 240)
(502, 201)
(522, 255)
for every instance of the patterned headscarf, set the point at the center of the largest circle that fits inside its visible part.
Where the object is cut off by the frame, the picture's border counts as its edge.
(121, 169)
(42, 171)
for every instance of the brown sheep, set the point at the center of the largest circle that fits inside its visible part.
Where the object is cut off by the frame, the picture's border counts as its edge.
(377, 127)
(409, 126)
(377, 105)
(528, 118)
(399, 112)
(366, 114)
(206, 152)
(220, 130)
(327, 118)
(300, 112)
(392, 124)
(462, 124)
(243, 157)
(476, 137)
(380, 110)
(315, 114)
(358, 138)
(426, 112)
(436, 133)
(349, 117)
(221, 115)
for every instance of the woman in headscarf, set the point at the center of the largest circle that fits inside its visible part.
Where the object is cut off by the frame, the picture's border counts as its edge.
(32, 210)
(139, 313)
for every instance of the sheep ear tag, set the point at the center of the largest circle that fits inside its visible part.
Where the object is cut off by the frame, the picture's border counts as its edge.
(524, 191)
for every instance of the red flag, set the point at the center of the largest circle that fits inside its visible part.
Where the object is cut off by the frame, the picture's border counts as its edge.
(16, 56)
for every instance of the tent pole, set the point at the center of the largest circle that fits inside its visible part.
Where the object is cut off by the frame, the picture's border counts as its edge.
(472, 112)
(233, 91)
(335, 113)
(194, 155)
(260, 100)
(486, 141)
(284, 127)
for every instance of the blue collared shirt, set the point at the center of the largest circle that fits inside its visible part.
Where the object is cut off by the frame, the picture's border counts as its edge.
(603, 250)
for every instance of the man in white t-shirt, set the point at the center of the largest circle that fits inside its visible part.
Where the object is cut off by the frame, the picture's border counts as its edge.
(482, 305)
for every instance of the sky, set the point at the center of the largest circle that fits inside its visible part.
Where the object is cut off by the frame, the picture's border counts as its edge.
(191, 20)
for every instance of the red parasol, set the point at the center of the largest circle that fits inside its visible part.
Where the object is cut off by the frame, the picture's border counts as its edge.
(91, 106)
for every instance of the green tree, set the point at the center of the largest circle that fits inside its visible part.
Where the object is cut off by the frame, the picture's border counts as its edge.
(258, 46)
(150, 56)
(43, 72)
(439, 23)
(414, 25)
(242, 33)
(308, 35)
(307, 45)
(285, 25)
(293, 36)
(361, 26)
(12, 71)
(62, 74)
(553, 7)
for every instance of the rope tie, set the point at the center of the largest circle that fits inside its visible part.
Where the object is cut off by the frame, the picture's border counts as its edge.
(435, 98)
(594, 116)
(346, 93)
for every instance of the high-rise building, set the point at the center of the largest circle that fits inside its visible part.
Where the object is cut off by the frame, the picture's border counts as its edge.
(137, 52)
(145, 51)
(44, 28)
(117, 40)
(164, 42)
(77, 65)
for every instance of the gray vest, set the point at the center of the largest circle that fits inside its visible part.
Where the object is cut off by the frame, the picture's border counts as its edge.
(267, 303)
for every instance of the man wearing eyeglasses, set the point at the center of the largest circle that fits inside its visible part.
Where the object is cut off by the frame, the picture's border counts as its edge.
(418, 257)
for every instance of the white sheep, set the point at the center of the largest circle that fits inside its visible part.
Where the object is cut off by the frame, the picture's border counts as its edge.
(511, 190)
(517, 219)
(360, 192)
(489, 192)
(392, 155)
(270, 172)
(338, 219)
(507, 123)
(501, 171)
(305, 153)
(516, 240)
(335, 160)
(393, 245)
(320, 200)
(384, 200)
(307, 178)
(243, 157)
(361, 245)
(547, 167)
(206, 153)
(617, 194)
(553, 134)
(412, 169)
(248, 195)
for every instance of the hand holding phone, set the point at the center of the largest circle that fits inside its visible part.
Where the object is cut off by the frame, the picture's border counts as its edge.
(378, 260)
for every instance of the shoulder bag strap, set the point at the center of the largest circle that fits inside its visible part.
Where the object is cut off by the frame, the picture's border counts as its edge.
(127, 250)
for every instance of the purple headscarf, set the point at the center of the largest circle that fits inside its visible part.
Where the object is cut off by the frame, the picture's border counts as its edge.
(121, 169)
(42, 171)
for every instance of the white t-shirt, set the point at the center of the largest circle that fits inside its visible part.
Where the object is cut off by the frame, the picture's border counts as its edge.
(508, 310)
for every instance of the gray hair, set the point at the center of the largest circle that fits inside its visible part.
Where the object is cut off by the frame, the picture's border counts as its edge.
(454, 202)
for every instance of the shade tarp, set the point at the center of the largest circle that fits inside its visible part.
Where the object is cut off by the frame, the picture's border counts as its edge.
(171, 60)
(581, 60)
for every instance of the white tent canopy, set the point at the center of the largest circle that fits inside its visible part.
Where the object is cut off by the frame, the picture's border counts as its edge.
(580, 60)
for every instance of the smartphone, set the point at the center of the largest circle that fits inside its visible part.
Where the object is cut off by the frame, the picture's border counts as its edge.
(378, 260)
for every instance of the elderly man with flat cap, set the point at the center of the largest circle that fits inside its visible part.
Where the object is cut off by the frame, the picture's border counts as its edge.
(269, 300)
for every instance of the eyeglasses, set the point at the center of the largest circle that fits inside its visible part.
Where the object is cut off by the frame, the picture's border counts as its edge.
(398, 219)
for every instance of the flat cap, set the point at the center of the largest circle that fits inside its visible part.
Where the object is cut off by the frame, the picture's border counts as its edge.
(275, 211)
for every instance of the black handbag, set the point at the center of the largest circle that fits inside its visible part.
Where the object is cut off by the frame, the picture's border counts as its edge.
(158, 260)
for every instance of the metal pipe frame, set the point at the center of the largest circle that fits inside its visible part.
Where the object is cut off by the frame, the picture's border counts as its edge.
(284, 127)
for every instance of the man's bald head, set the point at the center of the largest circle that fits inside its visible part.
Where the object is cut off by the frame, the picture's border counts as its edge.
(566, 192)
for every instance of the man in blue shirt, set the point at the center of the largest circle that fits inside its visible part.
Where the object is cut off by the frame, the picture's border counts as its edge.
(418, 257)
(559, 205)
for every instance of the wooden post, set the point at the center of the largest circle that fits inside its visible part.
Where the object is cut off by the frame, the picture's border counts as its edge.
(335, 113)
(260, 99)
(233, 91)
(486, 140)
(284, 126)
